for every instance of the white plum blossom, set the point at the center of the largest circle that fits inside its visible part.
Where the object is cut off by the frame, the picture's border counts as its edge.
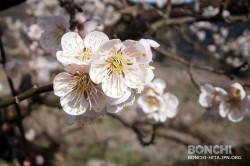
(211, 48)
(30, 134)
(79, 51)
(77, 92)
(39, 160)
(53, 30)
(226, 13)
(34, 32)
(150, 103)
(211, 96)
(156, 105)
(82, 99)
(120, 67)
(210, 11)
(236, 104)
(158, 108)
(201, 35)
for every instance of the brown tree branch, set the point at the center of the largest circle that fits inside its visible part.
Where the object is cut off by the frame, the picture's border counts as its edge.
(5, 4)
(71, 8)
(27, 94)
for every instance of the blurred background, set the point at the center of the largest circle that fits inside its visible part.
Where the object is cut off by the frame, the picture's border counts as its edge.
(191, 33)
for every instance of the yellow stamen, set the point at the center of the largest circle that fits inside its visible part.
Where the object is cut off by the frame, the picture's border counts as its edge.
(85, 54)
(152, 101)
(117, 63)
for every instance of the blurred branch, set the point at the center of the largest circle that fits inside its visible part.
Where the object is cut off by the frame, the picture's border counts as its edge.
(197, 46)
(182, 135)
(187, 63)
(190, 19)
(13, 93)
(202, 136)
(29, 93)
(176, 138)
(5, 136)
(71, 8)
(5, 4)
(168, 7)
(136, 130)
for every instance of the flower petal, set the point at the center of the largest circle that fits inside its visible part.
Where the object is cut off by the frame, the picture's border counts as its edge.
(114, 86)
(98, 70)
(74, 103)
(236, 115)
(144, 105)
(115, 108)
(172, 103)
(72, 68)
(237, 91)
(66, 58)
(50, 43)
(205, 100)
(207, 88)
(95, 40)
(138, 51)
(152, 43)
(158, 85)
(162, 118)
(223, 109)
(115, 101)
(135, 75)
(110, 45)
(98, 102)
(118, 107)
(61, 84)
(149, 75)
(130, 100)
(87, 27)
(72, 44)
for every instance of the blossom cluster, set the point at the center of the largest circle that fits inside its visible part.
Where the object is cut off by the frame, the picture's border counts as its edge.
(156, 105)
(100, 74)
(220, 43)
(233, 104)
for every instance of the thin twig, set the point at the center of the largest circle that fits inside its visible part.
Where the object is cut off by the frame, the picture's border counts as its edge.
(137, 130)
(190, 73)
